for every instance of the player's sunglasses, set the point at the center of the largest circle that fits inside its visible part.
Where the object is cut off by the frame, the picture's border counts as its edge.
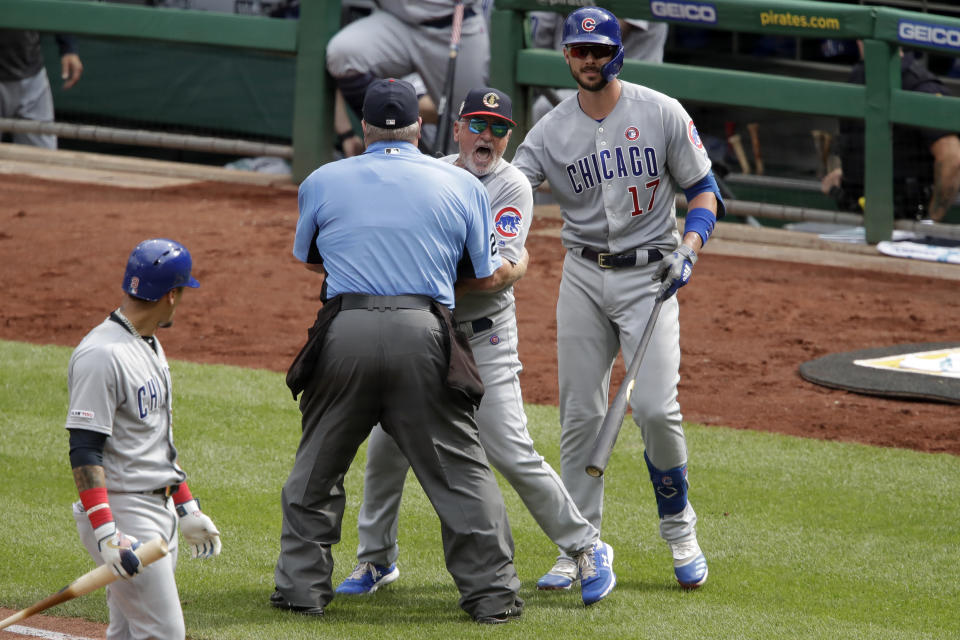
(479, 125)
(598, 51)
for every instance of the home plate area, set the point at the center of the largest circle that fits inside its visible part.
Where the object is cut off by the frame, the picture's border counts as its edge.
(924, 371)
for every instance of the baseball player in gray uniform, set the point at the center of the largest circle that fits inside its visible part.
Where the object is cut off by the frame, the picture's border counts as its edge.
(124, 462)
(614, 154)
(489, 320)
(403, 36)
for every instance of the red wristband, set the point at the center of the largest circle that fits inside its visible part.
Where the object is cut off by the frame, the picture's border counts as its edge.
(96, 505)
(182, 494)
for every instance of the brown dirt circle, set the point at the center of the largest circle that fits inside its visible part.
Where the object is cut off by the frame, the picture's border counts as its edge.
(746, 324)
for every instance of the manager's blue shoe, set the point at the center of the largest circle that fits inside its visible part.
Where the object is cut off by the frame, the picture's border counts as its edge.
(367, 578)
(597, 578)
(560, 577)
(689, 564)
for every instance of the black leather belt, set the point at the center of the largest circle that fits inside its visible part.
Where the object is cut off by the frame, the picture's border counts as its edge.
(363, 301)
(632, 258)
(473, 327)
(166, 492)
(447, 21)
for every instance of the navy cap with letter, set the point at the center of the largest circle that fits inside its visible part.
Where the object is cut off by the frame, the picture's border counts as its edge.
(390, 104)
(157, 266)
(487, 101)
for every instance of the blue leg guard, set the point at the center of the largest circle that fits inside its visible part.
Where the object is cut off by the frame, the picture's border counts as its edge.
(669, 487)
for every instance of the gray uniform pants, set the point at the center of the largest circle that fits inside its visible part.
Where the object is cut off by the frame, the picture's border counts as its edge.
(507, 443)
(29, 99)
(389, 366)
(146, 607)
(601, 312)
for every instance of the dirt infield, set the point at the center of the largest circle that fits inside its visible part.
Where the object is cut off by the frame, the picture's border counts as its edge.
(746, 323)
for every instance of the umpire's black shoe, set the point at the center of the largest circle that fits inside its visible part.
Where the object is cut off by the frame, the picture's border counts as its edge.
(280, 602)
(504, 616)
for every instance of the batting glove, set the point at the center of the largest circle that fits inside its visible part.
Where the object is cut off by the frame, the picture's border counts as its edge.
(116, 549)
(198, 530)
(675, 270)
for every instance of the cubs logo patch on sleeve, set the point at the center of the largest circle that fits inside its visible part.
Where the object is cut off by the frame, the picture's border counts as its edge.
(694, 135)
(508, 221)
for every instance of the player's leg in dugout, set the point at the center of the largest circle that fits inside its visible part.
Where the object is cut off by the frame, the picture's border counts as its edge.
(587, 346)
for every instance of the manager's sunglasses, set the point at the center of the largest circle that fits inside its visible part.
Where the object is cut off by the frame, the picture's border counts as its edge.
(479, 125)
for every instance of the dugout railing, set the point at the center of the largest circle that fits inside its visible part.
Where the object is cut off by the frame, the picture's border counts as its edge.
(519, 70)
(879, 102)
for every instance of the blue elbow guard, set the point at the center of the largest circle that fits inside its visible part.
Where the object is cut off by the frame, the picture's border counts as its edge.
(669, 487)
(701, 221)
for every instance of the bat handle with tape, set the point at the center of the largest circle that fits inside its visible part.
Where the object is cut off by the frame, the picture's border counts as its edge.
(613, 420)
(90, 581)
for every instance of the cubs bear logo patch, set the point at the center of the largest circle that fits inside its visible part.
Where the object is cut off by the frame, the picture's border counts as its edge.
(508, 222)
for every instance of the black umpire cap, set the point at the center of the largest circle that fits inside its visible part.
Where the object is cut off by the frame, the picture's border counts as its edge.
(390, 104)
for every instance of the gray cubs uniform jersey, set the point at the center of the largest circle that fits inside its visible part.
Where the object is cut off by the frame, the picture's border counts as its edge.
(423, 10)
(610, 177)
(615, 181)
(511, 202)
(120, 387)
(501, 420)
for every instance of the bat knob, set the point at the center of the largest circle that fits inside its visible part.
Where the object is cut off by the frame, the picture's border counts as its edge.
(593, 471)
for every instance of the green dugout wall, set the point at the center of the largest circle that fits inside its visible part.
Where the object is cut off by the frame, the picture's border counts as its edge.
(279, 66)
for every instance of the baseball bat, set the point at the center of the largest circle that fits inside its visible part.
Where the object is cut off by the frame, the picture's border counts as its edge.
(737, 145)
(103, 575)
(446, 98)
(613, 420)
(754, 129)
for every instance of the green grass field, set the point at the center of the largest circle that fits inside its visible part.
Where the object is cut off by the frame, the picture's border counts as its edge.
(805, 539)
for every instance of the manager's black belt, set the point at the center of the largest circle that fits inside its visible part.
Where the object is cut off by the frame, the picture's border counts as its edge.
(363, 301)
(447, 21)
(473, 327)
(632, 258)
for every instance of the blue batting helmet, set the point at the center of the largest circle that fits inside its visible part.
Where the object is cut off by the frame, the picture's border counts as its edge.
(594, 25)
(157, 266)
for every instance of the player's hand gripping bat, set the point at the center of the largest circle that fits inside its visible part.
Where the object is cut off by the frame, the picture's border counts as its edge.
(446, 98)
(90, 581)
(613, 420)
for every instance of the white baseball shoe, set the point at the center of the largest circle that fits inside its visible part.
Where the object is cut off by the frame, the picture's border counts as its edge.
(689, 564)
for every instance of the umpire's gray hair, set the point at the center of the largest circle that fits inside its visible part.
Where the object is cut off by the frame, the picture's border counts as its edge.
(409, 133)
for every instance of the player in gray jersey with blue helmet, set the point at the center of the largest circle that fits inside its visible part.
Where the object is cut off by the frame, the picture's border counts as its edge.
(614, 155)
(124, 462)
(489, 320)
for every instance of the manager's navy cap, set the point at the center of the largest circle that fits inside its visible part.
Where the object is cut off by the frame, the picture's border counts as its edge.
(487, 101)
(390, 104)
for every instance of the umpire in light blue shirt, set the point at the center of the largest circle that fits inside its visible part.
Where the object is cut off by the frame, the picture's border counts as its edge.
(392, 229)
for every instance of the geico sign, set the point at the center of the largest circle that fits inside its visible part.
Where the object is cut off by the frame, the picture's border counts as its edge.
(689, 11)
(929, 34)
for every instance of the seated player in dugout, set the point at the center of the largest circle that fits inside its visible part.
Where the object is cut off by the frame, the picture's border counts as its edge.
(926, 162)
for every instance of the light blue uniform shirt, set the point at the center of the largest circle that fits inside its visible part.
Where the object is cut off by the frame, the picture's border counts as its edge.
(393, 221)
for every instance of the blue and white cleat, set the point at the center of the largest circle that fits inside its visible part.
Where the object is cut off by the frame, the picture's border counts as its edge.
(689, 564)
(597, 578)
(560, 577)
(367, 578)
